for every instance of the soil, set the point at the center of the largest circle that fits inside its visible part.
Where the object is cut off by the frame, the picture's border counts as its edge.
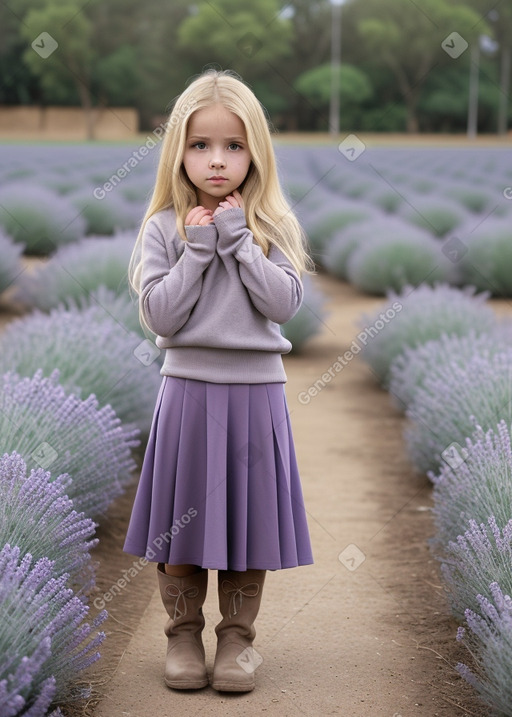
(364, 631)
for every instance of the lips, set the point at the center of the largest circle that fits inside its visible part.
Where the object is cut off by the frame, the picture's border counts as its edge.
(216, 177)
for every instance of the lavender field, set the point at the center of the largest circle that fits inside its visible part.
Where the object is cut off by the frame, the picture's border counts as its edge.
(384, 219)
(429, 229)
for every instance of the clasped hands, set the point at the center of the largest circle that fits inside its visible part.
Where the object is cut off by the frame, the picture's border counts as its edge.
(200, 216)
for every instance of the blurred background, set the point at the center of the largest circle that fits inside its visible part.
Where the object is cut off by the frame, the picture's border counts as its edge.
(439, 66)
(392, 142)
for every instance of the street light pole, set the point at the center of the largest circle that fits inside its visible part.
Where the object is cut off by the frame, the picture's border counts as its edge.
(473, 91)
(334, 110)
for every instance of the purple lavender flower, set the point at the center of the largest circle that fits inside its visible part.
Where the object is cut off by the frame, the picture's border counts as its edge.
(419, 315)
(37, 515)
(44, 641)
(448, 407)
(478, 557)
(77, 269)
(488, 638)
(94, 354)
(476, 485)
(54, 430)
(17, 691)
(410, 368)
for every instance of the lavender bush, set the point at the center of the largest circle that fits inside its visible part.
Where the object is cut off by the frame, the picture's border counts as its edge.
(448, 407)
(44, 641)
(386, 199)
(469, 564)
(76, 270)
(103, 216)
(52, 429)
(488, 262)
(358, 187)
(38, 218)
(474, 482)
(308, 321)
(422, 314)
(10, 265)
(410, 368)
(20, 690)
(488, 638)
(475, 199)
(435, 214)
(120, 306)
(332, 221)
(395, 262)
(388, 229)
(94, 354)
(37, 515)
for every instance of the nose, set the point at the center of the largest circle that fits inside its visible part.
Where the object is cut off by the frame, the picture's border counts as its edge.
(217, 161)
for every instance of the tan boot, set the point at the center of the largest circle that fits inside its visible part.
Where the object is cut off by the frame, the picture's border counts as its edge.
(183, 599)
(239, 603)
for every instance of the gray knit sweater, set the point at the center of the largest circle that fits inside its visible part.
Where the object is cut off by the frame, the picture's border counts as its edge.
(215, 301)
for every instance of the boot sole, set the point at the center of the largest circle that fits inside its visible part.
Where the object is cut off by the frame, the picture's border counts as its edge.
(231, 687)
(186, 685)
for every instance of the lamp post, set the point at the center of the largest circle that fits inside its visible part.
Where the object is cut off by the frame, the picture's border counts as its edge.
(334, 110)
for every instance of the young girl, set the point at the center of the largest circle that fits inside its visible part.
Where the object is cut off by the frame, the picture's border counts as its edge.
(216, 267)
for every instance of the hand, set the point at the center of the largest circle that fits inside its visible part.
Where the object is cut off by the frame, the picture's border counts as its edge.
(232, 200)
(199, 216)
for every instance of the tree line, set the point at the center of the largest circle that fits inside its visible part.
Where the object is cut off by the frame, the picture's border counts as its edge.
(404, 65)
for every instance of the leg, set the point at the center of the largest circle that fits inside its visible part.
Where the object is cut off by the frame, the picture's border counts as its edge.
(239, 602)
(183, 597)
(181, 571)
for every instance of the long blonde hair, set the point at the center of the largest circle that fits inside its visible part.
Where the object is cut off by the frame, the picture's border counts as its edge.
(268, 214)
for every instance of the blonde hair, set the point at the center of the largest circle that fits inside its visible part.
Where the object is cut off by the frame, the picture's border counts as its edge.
(268, 214)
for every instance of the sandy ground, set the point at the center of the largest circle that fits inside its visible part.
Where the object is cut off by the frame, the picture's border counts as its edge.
(365, 630)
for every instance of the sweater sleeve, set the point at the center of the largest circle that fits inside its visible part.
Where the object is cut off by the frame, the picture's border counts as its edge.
(275, 289)
(170, 286)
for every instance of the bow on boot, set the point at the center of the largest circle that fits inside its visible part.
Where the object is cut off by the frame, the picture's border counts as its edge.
(183, 598)
(239, 602)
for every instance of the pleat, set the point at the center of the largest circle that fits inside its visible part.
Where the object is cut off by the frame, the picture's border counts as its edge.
(219, 484)
(263, 529)
(215, 539)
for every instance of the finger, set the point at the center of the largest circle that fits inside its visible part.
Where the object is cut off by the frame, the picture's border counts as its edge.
(199, 211)
(231, 200)
(196, 214)
(238, 197)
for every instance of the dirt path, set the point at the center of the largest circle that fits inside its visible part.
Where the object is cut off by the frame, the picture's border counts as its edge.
(366, 635)
(374, 640)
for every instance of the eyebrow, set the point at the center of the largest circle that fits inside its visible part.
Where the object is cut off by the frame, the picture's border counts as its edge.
(237, 138)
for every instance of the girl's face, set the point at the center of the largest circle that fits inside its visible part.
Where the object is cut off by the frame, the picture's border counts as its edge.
(216, 157)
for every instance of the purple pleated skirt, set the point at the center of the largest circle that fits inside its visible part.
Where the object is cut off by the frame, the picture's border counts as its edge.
(219, 485)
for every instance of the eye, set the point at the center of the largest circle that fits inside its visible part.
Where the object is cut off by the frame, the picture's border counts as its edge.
(235, 145)
(199, 145)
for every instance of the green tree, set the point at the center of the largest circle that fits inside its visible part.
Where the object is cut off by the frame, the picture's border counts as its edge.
(444, 104)
(242, 35)
(62, 22)
(355, 88)
(407, 37)
(139, 63)
(499, 18)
